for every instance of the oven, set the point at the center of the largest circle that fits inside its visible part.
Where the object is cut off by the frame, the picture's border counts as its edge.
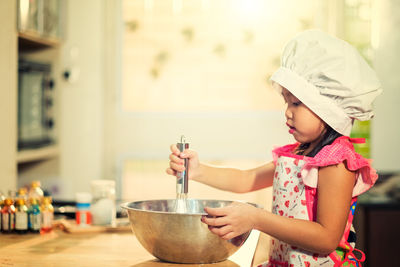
(35, 105)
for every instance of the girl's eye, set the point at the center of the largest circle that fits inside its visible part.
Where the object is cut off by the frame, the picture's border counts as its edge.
(297, 103)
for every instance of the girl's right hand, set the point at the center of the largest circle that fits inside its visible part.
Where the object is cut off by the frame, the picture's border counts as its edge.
(176, 162)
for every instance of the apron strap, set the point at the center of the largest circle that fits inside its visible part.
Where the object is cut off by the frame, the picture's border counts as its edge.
(353, 259)
(357, 140)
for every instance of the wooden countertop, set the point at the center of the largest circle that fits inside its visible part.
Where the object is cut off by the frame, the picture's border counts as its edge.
(61, 249)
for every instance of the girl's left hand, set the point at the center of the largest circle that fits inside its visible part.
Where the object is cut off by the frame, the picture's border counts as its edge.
(230, 221)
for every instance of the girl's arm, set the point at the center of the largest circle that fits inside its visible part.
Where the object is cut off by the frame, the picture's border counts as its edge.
(236, 180)
(228, 179)
(335, 186)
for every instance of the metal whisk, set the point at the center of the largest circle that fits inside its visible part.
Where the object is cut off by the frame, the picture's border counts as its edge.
(182, 181)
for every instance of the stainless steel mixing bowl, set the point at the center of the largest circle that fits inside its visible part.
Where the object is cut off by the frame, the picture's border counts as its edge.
(180, 237)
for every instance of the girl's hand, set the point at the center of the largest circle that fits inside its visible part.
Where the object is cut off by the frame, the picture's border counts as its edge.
(176, 162)
(230, 221)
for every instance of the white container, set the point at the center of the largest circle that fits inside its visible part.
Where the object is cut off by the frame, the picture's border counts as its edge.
(103, 208)
(83, 215)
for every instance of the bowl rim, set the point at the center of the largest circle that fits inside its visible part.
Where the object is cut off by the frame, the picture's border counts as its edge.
(125, 206)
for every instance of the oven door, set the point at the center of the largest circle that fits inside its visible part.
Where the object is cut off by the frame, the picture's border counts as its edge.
(33, 80)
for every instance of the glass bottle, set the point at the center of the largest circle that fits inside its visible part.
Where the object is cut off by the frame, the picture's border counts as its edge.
(22, 193)
(7, 216)
(35, 191)
(34, 216)
(21, 215)
(47, 215)
(2, 198)
(103, 208)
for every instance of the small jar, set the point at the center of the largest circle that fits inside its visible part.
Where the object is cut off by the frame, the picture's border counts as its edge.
(21, 216)
(103, 207)
(83, 215)
(7, 216)
(36, 192)
(34, 216)
(47, 212)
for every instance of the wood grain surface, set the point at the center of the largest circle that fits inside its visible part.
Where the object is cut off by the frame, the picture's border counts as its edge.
(61, 249)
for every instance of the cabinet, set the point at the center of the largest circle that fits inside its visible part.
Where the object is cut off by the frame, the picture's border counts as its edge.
(18, 167)
(377, 227)
(39, 27)
(37, 49)
(80, 115)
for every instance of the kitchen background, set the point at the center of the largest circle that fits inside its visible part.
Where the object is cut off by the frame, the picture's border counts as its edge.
(132, 76)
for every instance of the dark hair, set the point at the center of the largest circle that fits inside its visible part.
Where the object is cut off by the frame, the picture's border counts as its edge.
(328, 137)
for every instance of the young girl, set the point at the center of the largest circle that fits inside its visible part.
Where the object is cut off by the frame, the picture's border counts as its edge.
(326, 85)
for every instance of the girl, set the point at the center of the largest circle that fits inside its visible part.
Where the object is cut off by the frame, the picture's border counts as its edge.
(326, 85)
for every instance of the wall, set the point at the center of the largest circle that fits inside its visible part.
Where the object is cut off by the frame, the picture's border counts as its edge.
(8, 96)
(386, 124)
(222, 135)
(81, 129)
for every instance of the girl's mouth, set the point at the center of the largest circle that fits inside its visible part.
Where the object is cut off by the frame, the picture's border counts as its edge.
(291, 129)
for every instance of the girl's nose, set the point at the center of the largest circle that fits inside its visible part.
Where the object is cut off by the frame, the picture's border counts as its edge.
(288, 113)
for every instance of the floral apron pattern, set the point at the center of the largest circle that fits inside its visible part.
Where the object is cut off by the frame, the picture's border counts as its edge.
(293, 199)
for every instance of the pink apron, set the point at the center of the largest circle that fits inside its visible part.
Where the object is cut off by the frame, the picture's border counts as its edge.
(295, 196)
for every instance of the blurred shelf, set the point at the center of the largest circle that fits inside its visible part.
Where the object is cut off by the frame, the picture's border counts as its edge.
(33, 41)
(37, 154)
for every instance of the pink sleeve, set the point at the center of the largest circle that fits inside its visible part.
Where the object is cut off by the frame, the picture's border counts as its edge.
(341, 150)
(283, 150)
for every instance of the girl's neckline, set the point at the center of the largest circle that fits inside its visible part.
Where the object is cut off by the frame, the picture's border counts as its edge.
(293, 147)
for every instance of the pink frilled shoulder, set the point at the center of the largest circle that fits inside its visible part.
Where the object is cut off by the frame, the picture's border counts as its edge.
(285, 151)
(341, 150)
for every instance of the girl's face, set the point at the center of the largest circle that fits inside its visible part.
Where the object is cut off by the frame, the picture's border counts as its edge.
(304, 125)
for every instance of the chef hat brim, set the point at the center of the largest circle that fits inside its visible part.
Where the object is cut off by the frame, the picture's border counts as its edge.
(324, 107)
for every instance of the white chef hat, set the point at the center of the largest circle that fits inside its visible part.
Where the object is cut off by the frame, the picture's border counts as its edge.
(330, 77)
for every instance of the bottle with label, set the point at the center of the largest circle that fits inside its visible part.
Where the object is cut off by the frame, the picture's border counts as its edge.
(47, 212)
(83, 216)
(34, 216)
(7, 216)
(21, 216)
(35, 191)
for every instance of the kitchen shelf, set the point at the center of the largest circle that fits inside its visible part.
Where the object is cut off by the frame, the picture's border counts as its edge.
(33, 41)
(37, 154)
